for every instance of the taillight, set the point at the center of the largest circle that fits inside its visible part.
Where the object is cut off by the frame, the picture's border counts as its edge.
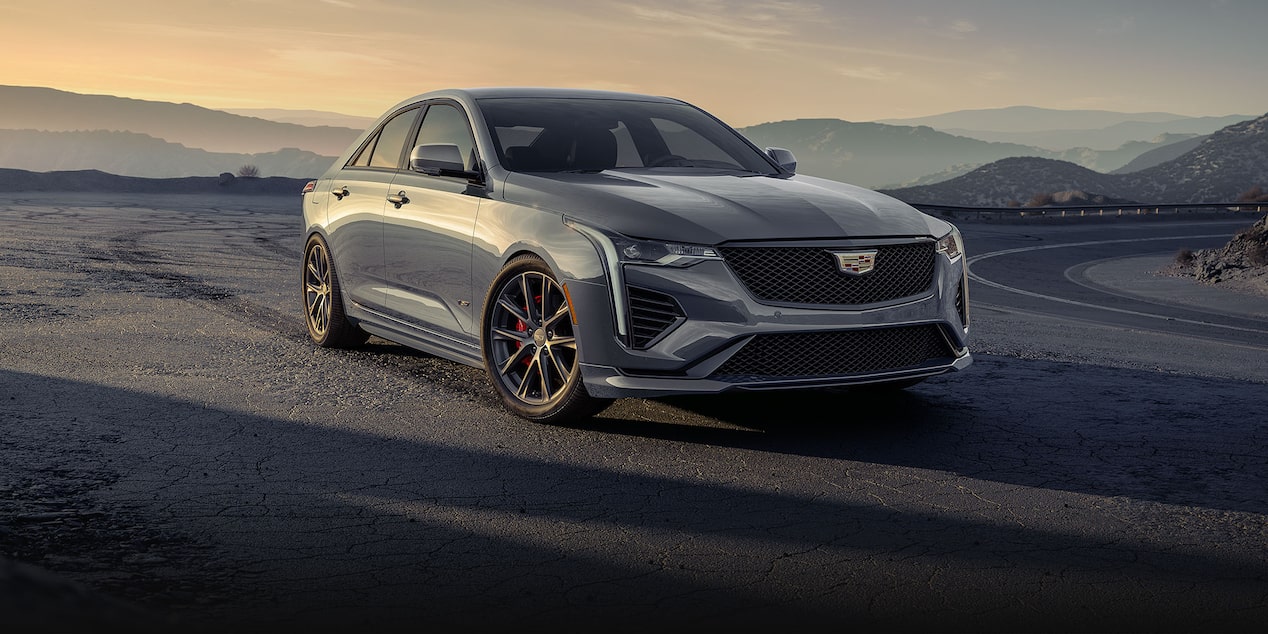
(309, 187)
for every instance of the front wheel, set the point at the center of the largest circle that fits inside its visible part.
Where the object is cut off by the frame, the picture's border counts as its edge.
(530, 346)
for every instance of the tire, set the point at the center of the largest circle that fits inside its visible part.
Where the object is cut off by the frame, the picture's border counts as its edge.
(530, 348)
(328, 326)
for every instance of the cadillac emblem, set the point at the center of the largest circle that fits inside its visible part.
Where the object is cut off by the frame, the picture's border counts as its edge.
(855, 262)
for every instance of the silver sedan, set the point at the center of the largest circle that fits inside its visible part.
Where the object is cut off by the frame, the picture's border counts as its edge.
(583, 246)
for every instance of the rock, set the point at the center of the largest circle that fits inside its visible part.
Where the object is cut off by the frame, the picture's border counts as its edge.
(226, 178)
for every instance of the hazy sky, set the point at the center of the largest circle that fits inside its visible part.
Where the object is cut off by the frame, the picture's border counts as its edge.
(747, 62)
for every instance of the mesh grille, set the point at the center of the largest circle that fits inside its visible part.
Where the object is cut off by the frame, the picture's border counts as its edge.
(651, 314)
(838, 353)
(809, 275)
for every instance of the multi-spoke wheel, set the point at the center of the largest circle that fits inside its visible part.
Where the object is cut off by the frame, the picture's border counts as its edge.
(323, 301)
(530, 348)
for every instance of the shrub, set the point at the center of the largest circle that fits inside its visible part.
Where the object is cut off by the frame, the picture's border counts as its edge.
(1185, 257)
(1253, 195)
(1040, 200)
(249, 171)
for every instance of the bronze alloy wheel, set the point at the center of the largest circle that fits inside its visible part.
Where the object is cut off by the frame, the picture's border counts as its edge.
(530, 346)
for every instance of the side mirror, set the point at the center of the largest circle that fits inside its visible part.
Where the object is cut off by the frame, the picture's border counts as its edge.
(783, 158)
(442, 159)
(435, 158)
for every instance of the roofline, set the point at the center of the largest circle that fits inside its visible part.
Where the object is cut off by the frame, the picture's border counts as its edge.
(520, 92)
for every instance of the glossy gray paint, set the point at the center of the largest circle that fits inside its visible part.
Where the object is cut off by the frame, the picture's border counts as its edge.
(437, 256)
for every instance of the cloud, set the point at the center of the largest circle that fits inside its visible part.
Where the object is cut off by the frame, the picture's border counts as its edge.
(869, 73)
(963, 26)
(766, 25)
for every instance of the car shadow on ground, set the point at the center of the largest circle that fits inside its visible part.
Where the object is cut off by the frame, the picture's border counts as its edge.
(311, 519)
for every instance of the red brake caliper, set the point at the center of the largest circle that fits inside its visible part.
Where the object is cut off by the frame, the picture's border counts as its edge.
(520, 326)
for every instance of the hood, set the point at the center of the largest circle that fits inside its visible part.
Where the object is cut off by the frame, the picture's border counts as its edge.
(712, 208)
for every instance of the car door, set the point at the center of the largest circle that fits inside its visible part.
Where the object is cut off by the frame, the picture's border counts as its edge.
(358, 194)
(427, 233)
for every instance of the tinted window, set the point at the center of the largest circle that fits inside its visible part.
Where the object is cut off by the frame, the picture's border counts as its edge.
(685, 142)
(387, 151)
(536, 134)
(362, 159)
(447, 124)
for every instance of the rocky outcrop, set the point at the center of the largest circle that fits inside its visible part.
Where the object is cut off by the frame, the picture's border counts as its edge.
(1244, 257)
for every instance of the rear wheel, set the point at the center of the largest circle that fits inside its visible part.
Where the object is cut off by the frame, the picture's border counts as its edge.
(323, 300)
(530, 347)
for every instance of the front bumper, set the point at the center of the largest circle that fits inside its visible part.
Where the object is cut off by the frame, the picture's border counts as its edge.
(704, 352)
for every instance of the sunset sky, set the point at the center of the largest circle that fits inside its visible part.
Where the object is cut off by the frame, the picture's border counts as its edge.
(747, 62)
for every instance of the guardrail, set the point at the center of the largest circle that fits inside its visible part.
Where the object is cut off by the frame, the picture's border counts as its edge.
(1083, 211)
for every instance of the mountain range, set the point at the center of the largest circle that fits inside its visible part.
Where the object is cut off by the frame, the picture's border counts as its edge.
(1062, 129)
(46, 109)
(1224, 165)
(134, 154)
(43, 129)
(882, 155)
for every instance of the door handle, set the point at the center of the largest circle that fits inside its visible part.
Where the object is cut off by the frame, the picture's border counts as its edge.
(399, 199)
(341, 192)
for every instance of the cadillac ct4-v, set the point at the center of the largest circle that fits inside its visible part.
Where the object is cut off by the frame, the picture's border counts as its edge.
(582, 246)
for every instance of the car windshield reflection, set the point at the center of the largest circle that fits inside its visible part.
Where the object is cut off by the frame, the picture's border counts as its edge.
(593, 135)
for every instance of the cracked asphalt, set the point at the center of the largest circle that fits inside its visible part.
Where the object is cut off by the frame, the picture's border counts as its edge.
(175, 453)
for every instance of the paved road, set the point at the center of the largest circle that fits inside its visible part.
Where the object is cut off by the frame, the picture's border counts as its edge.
(171, 440)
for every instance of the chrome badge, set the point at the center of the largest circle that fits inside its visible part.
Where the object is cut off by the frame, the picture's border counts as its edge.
(855, 262)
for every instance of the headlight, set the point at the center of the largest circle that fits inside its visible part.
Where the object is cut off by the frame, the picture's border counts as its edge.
(626, 250)
(951, 245)
(616, 249)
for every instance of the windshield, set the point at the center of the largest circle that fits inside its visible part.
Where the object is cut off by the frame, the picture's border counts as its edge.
(590, 135)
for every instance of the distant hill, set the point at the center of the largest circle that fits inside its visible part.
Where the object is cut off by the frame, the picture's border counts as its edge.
(1031, 119)
(305, 117)
(1059, 130)
(1108, 137)
(880, 155)
(28, 108)
(97, 181)
(1160, 155)
(1225, 164)
(133, 154)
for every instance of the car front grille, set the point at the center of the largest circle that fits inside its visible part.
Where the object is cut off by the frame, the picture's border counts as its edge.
(835, 353)
(809, 275)
(651, 315)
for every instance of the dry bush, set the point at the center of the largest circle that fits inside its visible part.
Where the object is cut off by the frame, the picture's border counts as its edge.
(1185, 257)
(1040, 200)
(249, 171)
(1255, 194)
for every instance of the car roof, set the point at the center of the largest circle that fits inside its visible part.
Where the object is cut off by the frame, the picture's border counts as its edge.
(535, 93)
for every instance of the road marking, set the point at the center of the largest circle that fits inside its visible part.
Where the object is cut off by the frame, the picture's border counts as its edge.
(1135, 313)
